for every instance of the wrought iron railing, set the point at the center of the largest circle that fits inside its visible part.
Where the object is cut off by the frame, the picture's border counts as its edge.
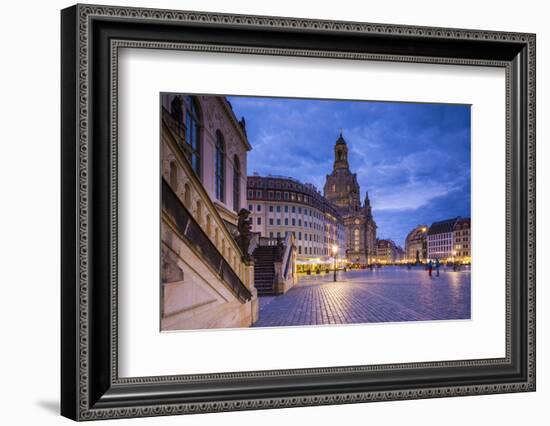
(191, 231)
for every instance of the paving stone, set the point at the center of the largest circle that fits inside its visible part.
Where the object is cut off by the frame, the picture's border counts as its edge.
(389, 294)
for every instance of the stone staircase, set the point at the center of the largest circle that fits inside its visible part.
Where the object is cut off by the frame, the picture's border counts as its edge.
(264, 258)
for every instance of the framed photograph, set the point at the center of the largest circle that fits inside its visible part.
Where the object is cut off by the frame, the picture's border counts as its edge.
(266, 212)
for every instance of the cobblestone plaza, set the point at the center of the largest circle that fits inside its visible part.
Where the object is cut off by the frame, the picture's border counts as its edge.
(388, 294)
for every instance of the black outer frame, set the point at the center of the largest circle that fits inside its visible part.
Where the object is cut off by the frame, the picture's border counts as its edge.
(90, 388)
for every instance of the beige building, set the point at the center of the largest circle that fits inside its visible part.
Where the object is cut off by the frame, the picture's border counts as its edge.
(343, 191)
(388, 252)
(282, 205)
(206, 279)
(462, 240)
(416, 246)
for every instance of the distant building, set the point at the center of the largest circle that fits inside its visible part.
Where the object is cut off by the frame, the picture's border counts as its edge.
(343, 191)
(388, 252)
(416, 247)
(462, 240)
(282, 204)
(399, 254)
(449, 240)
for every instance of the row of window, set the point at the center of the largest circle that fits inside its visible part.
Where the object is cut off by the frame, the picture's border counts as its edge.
(442, 236)
(288, 196)
(313, 250)
(278, 195)
(308, 237)
(446, 243)
(186, 111)
(461, 246)
(274, 183)
(278, 222)
(465, 239)
(291, 222)
(287, 209)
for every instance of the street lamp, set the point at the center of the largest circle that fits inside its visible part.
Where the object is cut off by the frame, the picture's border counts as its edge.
(334, 252)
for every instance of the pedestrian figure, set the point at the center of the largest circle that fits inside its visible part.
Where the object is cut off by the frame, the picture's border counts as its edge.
(430, 267)
(437, 267)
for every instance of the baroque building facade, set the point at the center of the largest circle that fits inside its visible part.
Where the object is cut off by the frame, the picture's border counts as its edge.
(343, 191)
(207, 278)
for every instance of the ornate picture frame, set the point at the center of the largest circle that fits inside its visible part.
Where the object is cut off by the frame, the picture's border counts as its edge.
(91, 37)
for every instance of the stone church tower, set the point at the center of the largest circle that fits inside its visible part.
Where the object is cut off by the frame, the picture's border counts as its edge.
(342, 190)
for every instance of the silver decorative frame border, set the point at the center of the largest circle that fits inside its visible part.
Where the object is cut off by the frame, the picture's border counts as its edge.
(86, 13)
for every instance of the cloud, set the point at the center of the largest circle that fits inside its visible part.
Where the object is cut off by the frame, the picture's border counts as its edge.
(414, 159)
(411, 196)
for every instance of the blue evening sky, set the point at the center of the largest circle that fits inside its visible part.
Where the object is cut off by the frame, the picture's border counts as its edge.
(412, 158)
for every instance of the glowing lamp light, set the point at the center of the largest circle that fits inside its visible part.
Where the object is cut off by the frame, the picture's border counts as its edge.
(334, 249)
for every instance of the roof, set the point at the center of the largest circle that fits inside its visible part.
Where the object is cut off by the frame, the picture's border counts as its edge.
(462, 223)
(340, 140)
(442, 226)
